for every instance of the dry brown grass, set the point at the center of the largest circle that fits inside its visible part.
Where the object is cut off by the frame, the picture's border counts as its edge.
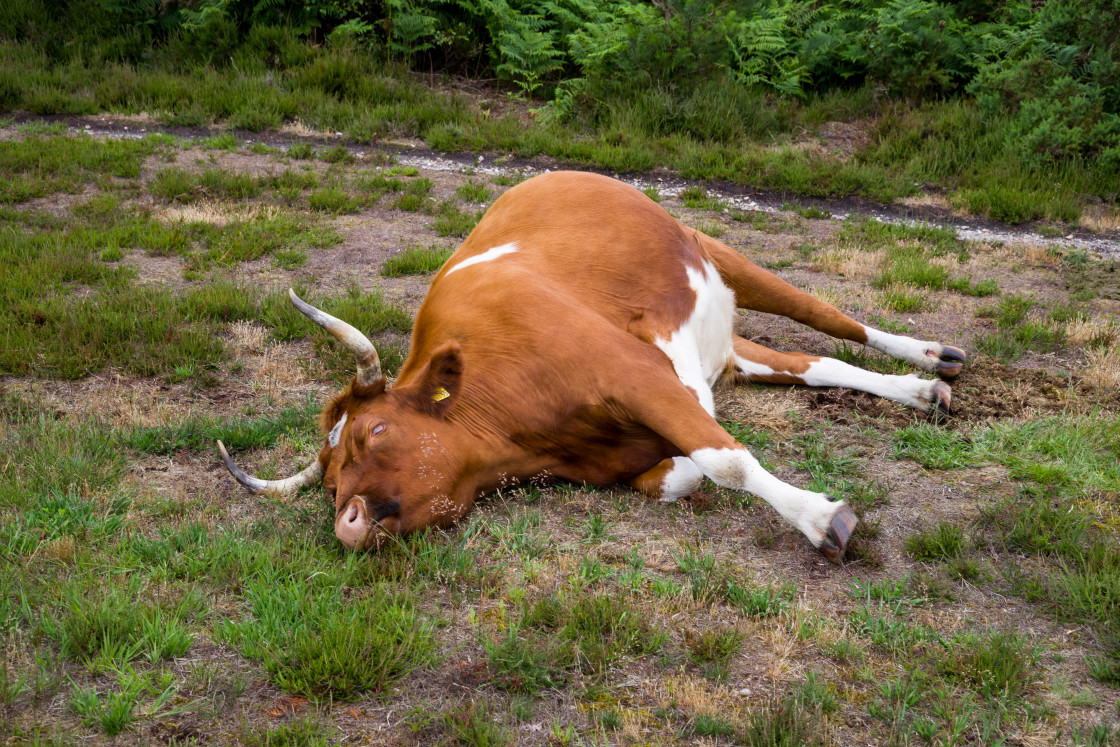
(1020, 253)
(217, 213)
(926, 200)
(1100, 218)
(693, 694)
(855, 265)
(773, 409)
(298, 128)
(1103, 367)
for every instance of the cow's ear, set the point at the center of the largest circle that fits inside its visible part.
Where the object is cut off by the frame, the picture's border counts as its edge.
(439, 386)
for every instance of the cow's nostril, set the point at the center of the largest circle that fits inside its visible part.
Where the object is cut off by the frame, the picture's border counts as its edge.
(352, 513)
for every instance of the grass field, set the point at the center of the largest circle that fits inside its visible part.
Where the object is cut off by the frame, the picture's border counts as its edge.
(145, 597)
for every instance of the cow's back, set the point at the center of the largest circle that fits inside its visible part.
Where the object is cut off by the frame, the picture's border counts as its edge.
(609, 246)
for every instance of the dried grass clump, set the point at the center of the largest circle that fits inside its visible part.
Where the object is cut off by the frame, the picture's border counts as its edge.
(217, 213)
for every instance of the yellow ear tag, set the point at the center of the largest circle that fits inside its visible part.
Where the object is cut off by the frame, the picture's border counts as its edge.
(440, 394)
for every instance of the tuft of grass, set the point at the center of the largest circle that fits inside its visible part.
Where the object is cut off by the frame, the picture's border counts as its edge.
(869, 234)
(106, 629)
(933, 446)
(713, 650)
(906, 301)
(807, 211)
(526, 662)
(313, 642)
(473, 192)
(711, 725)
(943, 542)
(757, 601)
(181, 185)
(416, 260)
(697, 197)
(474, 726)
(334, 200)
(997, 665)
(1016, 333)
(451, 221)
(782, 723)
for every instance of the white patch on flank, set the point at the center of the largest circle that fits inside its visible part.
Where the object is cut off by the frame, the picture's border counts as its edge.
(909, 390)
(486, 256)
(701, 347)
(904, 348)
(737, 469)
(336, 432)
(682, 479)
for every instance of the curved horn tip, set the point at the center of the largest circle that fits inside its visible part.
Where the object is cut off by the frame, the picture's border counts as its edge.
(244, 479)
(293, 297)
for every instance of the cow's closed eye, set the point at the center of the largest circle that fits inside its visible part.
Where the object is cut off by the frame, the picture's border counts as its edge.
(375, 430)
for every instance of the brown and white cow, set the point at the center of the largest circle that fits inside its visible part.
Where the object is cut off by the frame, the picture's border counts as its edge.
(576, 335)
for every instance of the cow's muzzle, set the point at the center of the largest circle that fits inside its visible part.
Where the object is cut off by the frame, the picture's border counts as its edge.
(360, 528)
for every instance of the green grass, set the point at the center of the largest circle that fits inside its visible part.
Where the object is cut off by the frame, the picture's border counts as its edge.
(995, 665)
(943, 542)
(334, 200)
(312, 643)
(698, 198)
(77, 314)
(238, 434)
(416, 260)
(906, 301)
(807, 211)
(181, 185)
(39, 165)
(473, 192)
(712, 650)
(452, 221)
(1017, 333)
(869, 234)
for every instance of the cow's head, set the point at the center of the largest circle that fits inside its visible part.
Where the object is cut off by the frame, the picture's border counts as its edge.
(388, 460)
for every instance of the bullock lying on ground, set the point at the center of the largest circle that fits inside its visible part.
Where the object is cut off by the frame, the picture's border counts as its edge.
(576, 335)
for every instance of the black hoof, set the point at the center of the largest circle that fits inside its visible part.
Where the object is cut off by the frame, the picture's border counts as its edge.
(943, 398)
(949, 363)
(953, 354)
(839, 533)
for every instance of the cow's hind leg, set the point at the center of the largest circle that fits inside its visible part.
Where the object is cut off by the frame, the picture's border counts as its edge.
(757, 363)
(759, 290)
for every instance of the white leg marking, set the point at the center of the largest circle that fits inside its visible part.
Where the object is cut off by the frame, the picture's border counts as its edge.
(905, 348)
(486, 256)
(909, 390)
(701, 347)
(682, 479)
(750, 368)
(810, 512)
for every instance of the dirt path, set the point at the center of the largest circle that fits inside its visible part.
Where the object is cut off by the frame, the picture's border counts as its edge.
(932, 210)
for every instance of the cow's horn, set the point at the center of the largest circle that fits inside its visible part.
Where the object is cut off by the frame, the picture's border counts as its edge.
(287, 486)
(369, 365)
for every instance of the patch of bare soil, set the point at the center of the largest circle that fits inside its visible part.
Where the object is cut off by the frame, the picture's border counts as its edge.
(845, 139)
(1104, 280)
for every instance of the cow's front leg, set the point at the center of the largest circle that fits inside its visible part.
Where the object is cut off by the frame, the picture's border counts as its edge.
(670, 479)
(827, 524)
(657, 399)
